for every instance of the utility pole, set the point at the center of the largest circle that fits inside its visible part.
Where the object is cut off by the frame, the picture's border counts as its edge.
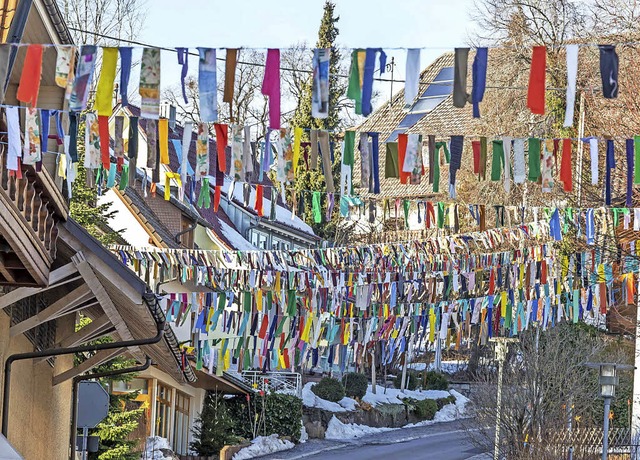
(635, 402)
(502, 347)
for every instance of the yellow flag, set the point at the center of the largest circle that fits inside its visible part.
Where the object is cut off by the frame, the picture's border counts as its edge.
(163, 139)
(432, 325)
(104, 93)
(503, 306)
(305, 331)
(297, 138)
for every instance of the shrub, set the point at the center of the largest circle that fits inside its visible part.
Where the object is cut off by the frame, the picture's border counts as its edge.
(263, 415)
(441, 402)
(213, 427)
(413, 379)
(435, 381)
(426, 409)
(355, 384)
(329, 389)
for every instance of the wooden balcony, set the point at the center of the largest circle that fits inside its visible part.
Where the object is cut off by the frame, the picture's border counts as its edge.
(30, 209)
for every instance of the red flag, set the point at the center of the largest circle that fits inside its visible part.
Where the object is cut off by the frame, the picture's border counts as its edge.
(29, 85)
(476, 156)
(258, 207)
(537, 80)
(222, 138)
(402, 151)
(103, 130)
(565, 166)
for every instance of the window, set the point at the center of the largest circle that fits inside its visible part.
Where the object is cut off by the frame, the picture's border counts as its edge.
(437, 91)
(280, 245)
(259, 239)
(181, 426)
(187, 238)
(163, 411)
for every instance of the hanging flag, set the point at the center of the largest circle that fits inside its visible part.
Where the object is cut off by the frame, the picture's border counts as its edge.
(354, 89)
(91, 142)
(125, 73)
(534, 159)
(547, 165)
(66, 55)
(412, 76)
(187, 134)
(183, 60)
(537, 80)
(152, 143)
(222, 139)
(14, 152)
(271, 86)
(32, 151)
(208, 85)
(150, 84)
(82, 81)
(230, 75)
(29, 85)
(202, 151)
(610, 164)
(566, 166)
(367, 80)
(103, 129)
(460, 95)
(609, 71)
(163, 140)
(104, 93)
(572, 74)
(479, 78)
(320, 83)
(236, 171)
(118, 138)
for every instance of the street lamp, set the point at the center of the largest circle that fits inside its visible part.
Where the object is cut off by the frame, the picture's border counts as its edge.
(608, 381)
(501, 356)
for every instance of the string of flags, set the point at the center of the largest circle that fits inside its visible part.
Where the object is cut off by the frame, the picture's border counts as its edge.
(281, 312)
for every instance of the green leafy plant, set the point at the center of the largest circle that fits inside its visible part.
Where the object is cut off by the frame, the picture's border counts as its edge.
(355, 384)
(426, 409)
(329, 389)
(213, 427)
(441, 402)
(435, 381)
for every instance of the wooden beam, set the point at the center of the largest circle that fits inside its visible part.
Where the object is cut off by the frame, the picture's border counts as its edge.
(97, 359)
(90, 332)
(60, 307)
(56, 278)
(4, 271)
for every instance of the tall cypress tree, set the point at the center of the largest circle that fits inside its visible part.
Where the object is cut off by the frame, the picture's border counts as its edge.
(309, 181)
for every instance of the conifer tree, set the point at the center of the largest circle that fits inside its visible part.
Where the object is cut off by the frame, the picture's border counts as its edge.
(213, 427)
(308, 181)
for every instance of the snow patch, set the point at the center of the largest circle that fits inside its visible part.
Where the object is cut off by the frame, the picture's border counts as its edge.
(153, 446)
(339, 430)
(235, 238)
(263, 445)
(310, 399)
(395, 396)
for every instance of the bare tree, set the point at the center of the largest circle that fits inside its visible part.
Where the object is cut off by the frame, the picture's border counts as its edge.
(92, 21)
(546, 387)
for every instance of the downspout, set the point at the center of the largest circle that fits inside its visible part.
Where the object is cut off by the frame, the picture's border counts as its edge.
(16, 31)
(64, 351)
(74, 395)
(186, 230)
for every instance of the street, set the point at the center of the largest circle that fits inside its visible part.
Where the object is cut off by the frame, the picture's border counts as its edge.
(446, 441)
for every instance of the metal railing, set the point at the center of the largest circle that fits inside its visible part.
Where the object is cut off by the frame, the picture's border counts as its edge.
(281, 382)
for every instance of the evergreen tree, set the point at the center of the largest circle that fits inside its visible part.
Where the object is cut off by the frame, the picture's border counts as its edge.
(83, 206)
(122, 419)
(213, 427)
(308, 181)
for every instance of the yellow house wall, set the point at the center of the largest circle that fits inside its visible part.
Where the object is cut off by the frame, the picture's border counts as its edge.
(39, 413)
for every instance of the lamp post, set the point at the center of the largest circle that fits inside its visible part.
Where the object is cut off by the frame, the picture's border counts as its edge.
(608, 380)
(502, 346)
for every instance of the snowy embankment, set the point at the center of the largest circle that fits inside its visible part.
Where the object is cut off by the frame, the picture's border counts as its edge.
(340, 430)
(263, 445)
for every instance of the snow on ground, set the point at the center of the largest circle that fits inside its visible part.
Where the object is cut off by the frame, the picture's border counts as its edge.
(310, 399)
(448, 413)
(447, 367)
(153, 446)
(395, 396)
(339, 430)
(263, 445)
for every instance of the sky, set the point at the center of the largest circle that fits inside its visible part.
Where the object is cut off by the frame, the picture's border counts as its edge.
(437, 25)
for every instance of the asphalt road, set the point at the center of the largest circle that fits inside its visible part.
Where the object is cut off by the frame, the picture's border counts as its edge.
(445, 441)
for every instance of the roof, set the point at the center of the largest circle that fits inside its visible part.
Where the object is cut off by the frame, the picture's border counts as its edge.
(148, 217)
(140, 317)
(219, 221)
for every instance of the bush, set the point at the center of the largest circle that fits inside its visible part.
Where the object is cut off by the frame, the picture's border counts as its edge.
(435, 381)
(413, 379)
(355, 384)
(441, 402)
(425, 409)
(273, 413)
(329, 389)
(214, 426)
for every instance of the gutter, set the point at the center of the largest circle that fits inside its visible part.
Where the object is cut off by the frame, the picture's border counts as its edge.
(6, 396)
